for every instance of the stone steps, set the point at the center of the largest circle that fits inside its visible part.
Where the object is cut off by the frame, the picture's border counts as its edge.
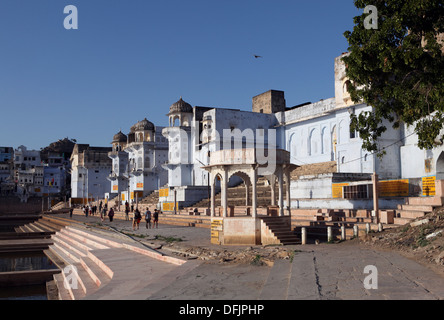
(281, 230)
(82, 250)
(416, 207)
(428, 201)
(411, 207)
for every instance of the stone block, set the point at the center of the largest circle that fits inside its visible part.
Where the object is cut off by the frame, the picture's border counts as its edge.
(387, 216)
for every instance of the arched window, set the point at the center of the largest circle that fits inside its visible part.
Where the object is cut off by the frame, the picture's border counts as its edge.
(324, 140)
(314, 142)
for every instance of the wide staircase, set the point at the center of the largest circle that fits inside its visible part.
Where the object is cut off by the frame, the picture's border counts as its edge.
(316, 221)
(416, 207)
(94, 263)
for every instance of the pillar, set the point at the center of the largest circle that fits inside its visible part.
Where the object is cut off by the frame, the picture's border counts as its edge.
(287, 191)
(254, 193)
(224, 198)
(329, 234)
(281, 192)
(356, 231)
(273, 192)
(247, 194)
(213, 195)
(375, 196)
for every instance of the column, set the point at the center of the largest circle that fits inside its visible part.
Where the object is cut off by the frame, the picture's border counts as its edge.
(281, 192)
(254, 192)
(247, 194)
(224, 198)
(287, 190)
(213, 195)
(272, 186)
(375, 196)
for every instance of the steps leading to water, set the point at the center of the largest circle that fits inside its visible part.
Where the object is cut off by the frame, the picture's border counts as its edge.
(90, 259)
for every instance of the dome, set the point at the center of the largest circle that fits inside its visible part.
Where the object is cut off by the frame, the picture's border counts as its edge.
(120, 137)
(143, 126)
(181, 106)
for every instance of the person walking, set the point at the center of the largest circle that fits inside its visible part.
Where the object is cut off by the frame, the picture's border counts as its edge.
(126, 211)
(137, 218)
(70, 212)
(111, 214)
(156, 219)
(148, 218)
(103, 214)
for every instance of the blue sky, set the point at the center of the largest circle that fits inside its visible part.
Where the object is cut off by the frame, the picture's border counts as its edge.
(132, 59)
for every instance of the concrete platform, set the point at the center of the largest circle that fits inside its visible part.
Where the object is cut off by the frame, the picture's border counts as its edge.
(103, 265)
(322, 272)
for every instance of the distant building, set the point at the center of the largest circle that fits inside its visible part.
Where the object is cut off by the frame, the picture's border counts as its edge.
(6, 170)
(136, 162)
(28, 172)
(91, 167)
(6, 153)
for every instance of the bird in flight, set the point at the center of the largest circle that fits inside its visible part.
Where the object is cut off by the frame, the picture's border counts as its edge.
(256, 56)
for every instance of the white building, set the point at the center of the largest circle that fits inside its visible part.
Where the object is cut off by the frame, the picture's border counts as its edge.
(91, 167)
(312, 133)
(137, 162)
(28, 172)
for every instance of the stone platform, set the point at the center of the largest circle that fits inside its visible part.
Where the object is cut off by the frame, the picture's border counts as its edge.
(101, 265)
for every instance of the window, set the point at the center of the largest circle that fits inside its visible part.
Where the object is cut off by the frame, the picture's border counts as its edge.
(314, 142)
(358, 192)
(352, 134)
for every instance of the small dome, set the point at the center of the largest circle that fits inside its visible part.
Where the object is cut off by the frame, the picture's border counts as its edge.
(181, 106)
(120, 137)
(142, 126)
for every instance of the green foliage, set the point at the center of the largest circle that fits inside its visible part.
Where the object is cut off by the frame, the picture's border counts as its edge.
(398, 69)
(167, 239)
(257, 260)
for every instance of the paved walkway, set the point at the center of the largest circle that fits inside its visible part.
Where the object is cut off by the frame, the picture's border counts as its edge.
(316, 272)
(324, 273)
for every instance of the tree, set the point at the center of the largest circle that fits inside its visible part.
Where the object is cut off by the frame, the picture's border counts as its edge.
(398, 69)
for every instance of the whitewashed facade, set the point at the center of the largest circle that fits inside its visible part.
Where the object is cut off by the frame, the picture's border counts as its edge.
(137, 160)
(312, 133)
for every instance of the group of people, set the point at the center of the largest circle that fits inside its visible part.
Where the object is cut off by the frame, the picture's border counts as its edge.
(92, 210)
(148, 217)
(137, 217)
(89, 210)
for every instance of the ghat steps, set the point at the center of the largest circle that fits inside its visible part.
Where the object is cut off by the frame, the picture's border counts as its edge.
(95, 263)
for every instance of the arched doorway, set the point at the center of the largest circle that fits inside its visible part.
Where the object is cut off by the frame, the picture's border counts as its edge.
(240, 195)
(440, 167)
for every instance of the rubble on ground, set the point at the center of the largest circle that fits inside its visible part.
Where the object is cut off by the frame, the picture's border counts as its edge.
(260, 256)
(421, 240)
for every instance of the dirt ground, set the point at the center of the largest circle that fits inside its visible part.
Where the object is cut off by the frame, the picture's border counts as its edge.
(423, 243)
